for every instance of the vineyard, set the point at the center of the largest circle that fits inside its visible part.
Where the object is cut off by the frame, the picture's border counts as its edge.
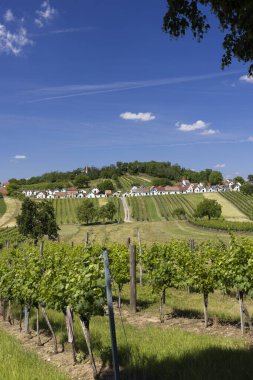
(66, 209)
(11, 235)
(243, 202)
(163, 207)
(2, 206)
(59, 280)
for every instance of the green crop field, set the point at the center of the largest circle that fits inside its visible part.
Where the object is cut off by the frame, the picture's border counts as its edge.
(162, 207)
(2, 206)
(65, 209)
(243, 202)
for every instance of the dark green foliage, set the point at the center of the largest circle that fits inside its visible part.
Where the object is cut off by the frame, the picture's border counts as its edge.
(81, 180)
(215, 177)
(105, 185)
(208, 207)
(235, 19)
(224, 225)
(179, 212)
(247, 189)
(239, 179)
(37, 220)
(87, 211)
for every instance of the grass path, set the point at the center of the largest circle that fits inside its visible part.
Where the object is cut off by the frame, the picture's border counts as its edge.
(229, 211)
(12, 210)
(18, 364)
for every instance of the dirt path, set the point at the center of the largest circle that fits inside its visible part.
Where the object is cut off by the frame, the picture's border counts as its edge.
(12, 210)
(126, 210)
(229, 211)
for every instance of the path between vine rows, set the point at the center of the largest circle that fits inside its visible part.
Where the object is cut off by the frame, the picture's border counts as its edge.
(193, 325)
(82, 371)
(63, 360)
(12, 210)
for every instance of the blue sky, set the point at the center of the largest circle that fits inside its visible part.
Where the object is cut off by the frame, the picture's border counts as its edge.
(92, 82)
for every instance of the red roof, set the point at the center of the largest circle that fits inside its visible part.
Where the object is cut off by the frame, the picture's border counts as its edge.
(4, 192)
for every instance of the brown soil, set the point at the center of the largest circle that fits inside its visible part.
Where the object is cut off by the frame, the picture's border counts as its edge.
(193, 325)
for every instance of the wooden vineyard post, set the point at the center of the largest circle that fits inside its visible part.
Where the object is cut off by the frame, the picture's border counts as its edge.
(111, 315)
(133, 278)
(192, 245)
(140, 253)
(128, 242)
(86, 240)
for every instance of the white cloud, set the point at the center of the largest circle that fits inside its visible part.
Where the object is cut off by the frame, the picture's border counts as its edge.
(19, 157)
(45, 14)
(220, 165)
(9, 16)
(142, 116)
(13, 43)
(250, 138)
(209, 132)
(199, 124)
(246, 78)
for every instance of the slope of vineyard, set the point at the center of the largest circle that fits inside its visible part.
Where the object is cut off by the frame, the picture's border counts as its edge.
(2, 206)
(241, 201)
(229, 210)
(66, 209)
(162, 207)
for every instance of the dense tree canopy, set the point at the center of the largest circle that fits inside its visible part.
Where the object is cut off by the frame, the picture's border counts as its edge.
(235, 19)
(37, 220)
(215, 177)
(208, 207)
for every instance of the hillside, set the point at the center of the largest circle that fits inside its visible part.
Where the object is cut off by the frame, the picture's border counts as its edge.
(242, 202)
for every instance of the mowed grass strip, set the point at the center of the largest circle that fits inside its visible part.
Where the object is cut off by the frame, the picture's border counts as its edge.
(18, 364)
(243, 202)
(229, 210)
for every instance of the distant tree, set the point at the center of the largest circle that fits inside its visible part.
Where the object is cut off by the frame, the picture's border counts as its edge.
(87, 211)
(107, 211)
(235, 19)
(105, 185)
(250, 177)
(208, 207)
(247, 189)
(37, 220)
(161, 182)
(179, 212)
(215, 177)
(239, 179)
(81, 180)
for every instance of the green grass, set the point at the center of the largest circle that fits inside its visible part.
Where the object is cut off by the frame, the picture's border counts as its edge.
(2, 206)
(243, 202)
(150, 232)
(18, 364)
(156, 351)
(65, 209)
(162, 207)
(225, 225)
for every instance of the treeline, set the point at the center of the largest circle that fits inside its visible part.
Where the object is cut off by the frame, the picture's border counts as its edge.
(162, 170)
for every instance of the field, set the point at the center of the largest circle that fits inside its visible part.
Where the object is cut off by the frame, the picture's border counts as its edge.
(162, 207)
(229, 210)
(66, 209)
(150, 231)
(242, 202)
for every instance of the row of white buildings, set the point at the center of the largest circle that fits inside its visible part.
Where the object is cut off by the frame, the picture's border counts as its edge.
(184, 187)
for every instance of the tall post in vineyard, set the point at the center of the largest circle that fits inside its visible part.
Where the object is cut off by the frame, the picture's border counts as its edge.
(111, 315)
(140, 253)
(86, 240)
(133, 278)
